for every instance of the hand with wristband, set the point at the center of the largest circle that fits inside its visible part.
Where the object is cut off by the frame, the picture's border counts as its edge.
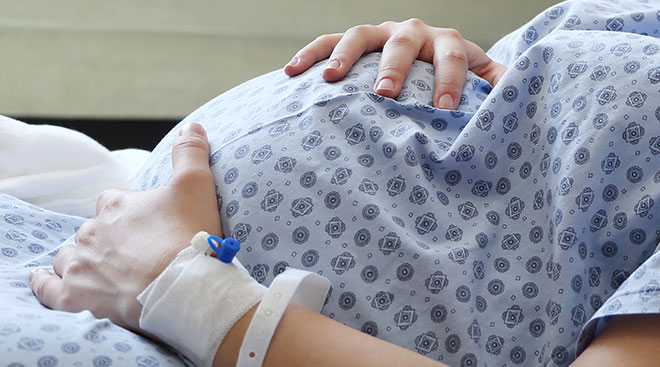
(133, 238)
(135, 265)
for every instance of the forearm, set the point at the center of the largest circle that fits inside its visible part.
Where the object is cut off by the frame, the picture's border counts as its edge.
(627, 340)
(304, 337)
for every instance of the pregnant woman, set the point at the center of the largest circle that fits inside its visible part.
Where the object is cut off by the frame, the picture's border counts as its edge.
(513, 225)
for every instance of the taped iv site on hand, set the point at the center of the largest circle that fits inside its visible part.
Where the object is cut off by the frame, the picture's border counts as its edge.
(181, 305)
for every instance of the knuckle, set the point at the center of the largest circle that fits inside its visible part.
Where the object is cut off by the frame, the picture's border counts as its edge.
(108, 200)
(401, 40)
(415, 22)
(76, 267)
(322, 38)
(190, 142)
(450, 32)
(391, 70)
(387, 24)
(453, 56)
(448, 85)
(62, 250)
(108, 193)
(358, 30)
(111, 204)
(62, 255)
(86, 233)
(388, 68)
(339, 54)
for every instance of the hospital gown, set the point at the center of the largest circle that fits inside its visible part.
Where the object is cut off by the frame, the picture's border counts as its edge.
(506, 232)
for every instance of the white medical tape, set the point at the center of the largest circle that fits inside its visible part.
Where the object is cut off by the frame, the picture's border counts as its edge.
(197, 299)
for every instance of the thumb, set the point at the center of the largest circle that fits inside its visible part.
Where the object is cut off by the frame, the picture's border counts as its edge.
(190, 158)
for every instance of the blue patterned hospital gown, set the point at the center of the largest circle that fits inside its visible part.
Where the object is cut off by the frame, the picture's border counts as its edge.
(503, 233)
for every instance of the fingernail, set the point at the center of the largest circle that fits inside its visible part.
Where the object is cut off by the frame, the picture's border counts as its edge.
(192, 128)
(294, 61)
(446, 101)
(333, 64)
(32, 272)
(385, 84)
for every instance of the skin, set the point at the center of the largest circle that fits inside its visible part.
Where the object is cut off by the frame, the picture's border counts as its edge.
(137, 234)
(401, 43)
(133, 238)
(306, 338)
(629, 340)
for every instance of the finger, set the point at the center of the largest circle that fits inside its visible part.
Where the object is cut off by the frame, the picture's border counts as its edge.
(482, 65)
(315, 51)
(190, 159)
(46, 287)
(356, 42)
(450, 61)
(85, 234)
(109, 200)
(63, 258)
(399, 52)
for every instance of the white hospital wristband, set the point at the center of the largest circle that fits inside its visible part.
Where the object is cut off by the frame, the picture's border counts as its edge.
(193, 304)
(293, 285)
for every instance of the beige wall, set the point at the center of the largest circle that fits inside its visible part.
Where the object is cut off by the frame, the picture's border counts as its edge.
(163, 58)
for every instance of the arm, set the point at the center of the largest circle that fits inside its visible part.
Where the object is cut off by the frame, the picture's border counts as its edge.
(122, 250)
(137, 234)
(401, 43)
(629, 340)
(304, 337)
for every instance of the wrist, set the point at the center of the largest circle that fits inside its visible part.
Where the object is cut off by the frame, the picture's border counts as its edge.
(181, 306)
(227, 353)
(178, 304)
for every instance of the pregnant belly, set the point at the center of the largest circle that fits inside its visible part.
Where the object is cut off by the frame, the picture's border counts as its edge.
(432, 226)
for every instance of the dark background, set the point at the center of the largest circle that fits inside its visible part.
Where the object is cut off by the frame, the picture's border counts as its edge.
(114, 134)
